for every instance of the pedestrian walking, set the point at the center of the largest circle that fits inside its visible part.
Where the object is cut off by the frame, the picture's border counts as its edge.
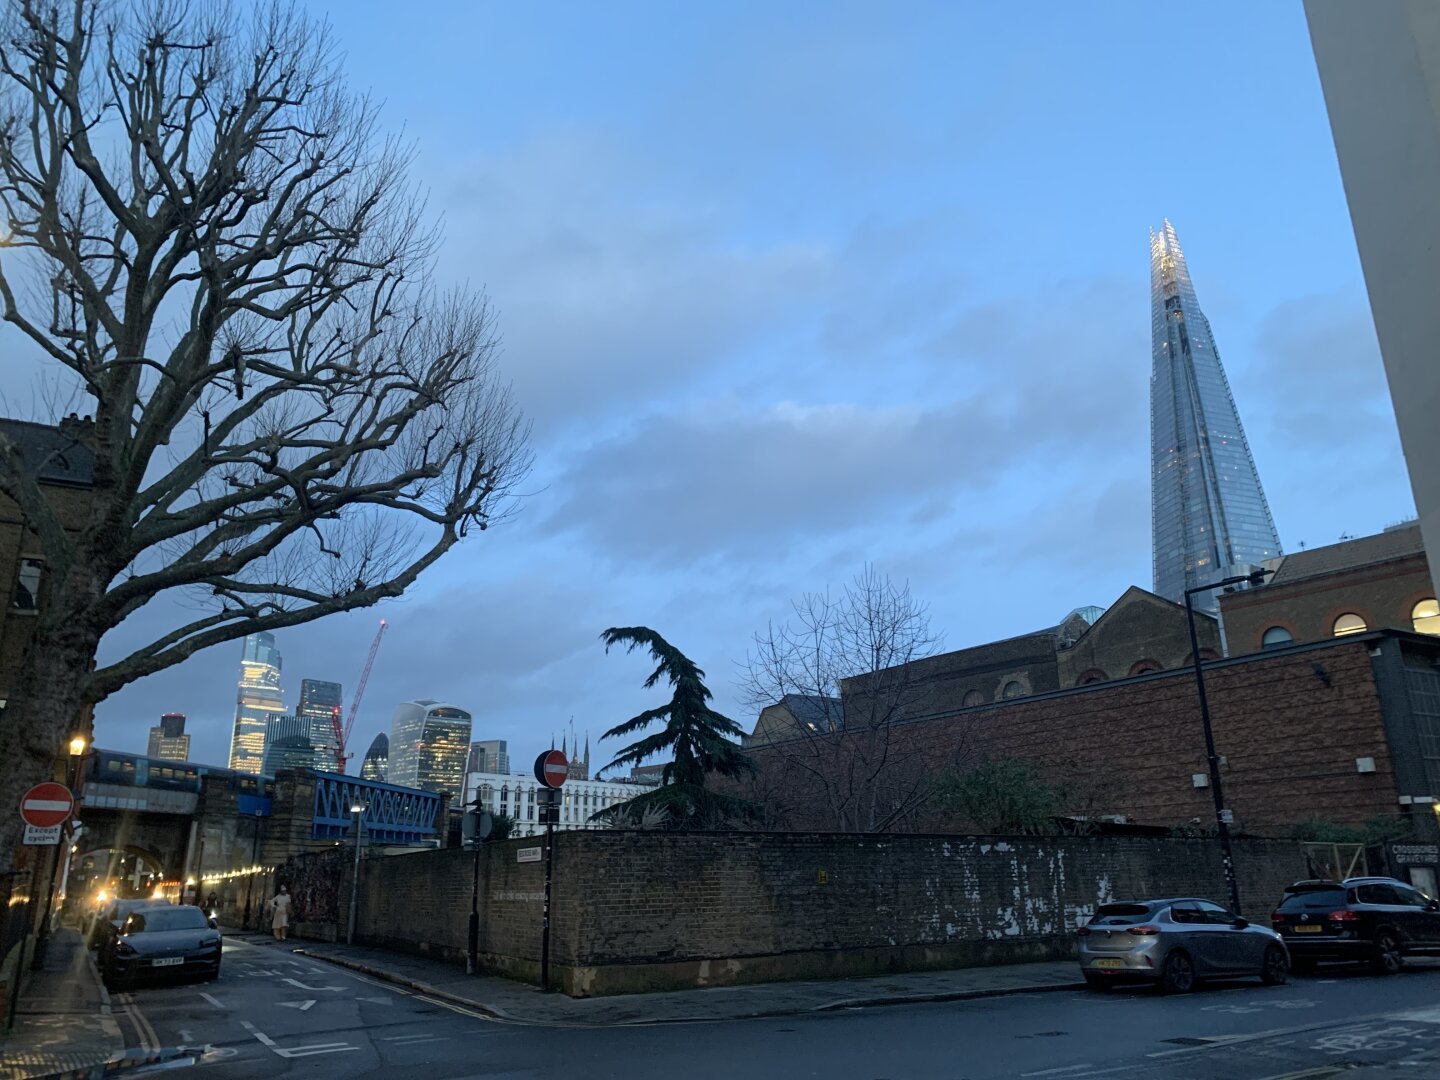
(280, 914)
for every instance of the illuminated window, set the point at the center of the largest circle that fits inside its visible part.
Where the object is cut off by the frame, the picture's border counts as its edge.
(1012, 690)
(972, 698)
(1425, 616)
(1275, 637)
(1349, 623)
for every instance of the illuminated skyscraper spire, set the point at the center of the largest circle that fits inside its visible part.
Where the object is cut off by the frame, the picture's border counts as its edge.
(1208, 513)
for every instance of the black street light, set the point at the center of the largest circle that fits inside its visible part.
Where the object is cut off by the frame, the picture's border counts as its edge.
(77, 747)
(358, 809)
(1222, 815)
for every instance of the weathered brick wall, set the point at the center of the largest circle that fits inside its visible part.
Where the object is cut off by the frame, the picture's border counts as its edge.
(642, 910)
(1139, 626)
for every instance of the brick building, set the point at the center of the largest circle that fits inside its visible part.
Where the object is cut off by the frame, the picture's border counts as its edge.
(1344, 729)
(64, 466)
(1138, 634)
(1373, 582)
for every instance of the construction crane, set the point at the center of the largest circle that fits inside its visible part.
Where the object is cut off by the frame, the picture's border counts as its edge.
(342, 731)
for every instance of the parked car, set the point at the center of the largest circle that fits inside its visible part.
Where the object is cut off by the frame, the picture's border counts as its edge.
(168, 942)
(1374, 919)
(106, 923)
(1173, 943)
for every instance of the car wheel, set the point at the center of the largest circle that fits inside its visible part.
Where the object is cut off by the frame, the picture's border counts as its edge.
(1095, 982)
(1387, 960)
(1178, 974)
(214, 974)
(1275, 968)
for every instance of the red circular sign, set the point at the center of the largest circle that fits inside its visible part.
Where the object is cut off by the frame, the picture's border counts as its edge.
(551, 768)
(45, 805)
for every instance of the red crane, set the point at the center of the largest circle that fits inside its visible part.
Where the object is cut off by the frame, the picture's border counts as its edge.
(342, 731)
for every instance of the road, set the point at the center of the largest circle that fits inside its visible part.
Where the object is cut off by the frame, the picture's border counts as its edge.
(274, 1014)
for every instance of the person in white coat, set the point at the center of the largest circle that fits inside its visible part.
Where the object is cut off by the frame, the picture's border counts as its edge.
(280, 914)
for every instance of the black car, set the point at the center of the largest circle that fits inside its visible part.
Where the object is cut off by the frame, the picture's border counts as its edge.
(163, 943)
(1374, 919)
(105, 925)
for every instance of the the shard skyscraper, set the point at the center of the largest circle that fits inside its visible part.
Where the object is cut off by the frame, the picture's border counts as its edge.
(1209, 518)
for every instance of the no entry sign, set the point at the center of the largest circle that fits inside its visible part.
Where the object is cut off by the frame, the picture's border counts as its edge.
(47, 804)
(551, 768)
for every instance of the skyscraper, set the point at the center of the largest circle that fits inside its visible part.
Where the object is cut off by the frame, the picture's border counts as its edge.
(259, 699)
(488, 756)
(168, 739)
(428, 745)
(376, 765)
(1208, 513)
(287, 744)
(320, 707)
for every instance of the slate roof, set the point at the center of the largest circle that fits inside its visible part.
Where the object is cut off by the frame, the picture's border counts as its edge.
(55, 457)
(1349, 554)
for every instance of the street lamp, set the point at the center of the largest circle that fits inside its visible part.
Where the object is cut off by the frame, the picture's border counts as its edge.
(358, 809)
(1222, 815)
(77, 747)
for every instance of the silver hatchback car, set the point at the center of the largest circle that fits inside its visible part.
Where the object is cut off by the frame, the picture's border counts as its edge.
(1172, 943)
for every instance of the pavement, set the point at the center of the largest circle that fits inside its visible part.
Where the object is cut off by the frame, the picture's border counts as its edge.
(65, 1022)
(518, 1002)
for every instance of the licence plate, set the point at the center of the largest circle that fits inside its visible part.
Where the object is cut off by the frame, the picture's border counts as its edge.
(1307, 929)
(167, 961)
(1107, 963)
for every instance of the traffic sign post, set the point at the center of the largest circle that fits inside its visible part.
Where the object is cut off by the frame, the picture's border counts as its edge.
(551, 770)
(478, 827)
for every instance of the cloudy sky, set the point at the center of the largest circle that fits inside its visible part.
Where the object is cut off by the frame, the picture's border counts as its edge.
(790, 287)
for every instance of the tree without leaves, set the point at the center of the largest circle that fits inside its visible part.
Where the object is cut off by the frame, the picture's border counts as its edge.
(224, 255)
(698, 739)
(845, 765)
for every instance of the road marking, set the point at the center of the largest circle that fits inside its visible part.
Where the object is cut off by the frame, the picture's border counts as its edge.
(297, 1051)
(186, 1035)
(211, 999)
(1323, 1072)
(1059, 1071)
(302, 986)
(377, 1000)
(301, 1005)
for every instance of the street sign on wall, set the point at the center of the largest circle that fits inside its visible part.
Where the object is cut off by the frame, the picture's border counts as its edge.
(45, 808)
(528, 854)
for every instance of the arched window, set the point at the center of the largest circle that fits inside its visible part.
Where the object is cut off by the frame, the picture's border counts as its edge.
(972, 698)
(1094, 675)
(1425, 617)
(1349, 623)
(1012, 690)
(1276, 636)
(1145, 667)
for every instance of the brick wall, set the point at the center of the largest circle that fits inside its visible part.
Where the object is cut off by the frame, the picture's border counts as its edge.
(1139, 628)
(638, 911)
(1290, 724)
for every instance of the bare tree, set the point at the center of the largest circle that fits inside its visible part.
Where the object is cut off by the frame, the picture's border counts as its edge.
(840, 673)
(213, 241)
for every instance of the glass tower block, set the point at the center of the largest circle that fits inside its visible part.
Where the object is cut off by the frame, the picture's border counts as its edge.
(1208, 514)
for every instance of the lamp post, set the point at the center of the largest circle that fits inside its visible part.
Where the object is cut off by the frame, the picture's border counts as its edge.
(1222, 815)
(358, 810)
(77, 747)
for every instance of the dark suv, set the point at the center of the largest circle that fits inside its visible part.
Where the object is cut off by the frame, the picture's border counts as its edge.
(1377, 919)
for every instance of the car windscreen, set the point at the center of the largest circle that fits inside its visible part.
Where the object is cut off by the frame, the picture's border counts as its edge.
(155, 920)
(1313, 900)
(1120, 914)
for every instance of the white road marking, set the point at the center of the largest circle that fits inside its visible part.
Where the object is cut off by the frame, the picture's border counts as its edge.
(1059, 1071)
(377, 1000)
(301, 1005)
(211, 999)
(302, 986)
(186, 1035)
(297, 1051)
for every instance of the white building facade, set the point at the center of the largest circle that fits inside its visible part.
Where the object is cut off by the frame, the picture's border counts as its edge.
(514, 796)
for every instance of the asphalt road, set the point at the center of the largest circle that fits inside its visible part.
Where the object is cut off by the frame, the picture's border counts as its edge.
(273, 1014)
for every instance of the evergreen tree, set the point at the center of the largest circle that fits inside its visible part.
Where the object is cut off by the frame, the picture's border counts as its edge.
(699, 740)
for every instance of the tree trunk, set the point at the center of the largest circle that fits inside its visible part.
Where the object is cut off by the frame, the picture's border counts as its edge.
(48, 710)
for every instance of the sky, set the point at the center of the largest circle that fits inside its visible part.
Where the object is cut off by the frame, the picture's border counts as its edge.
(789, 289)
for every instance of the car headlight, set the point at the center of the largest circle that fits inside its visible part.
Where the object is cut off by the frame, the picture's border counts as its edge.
(124, 948)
